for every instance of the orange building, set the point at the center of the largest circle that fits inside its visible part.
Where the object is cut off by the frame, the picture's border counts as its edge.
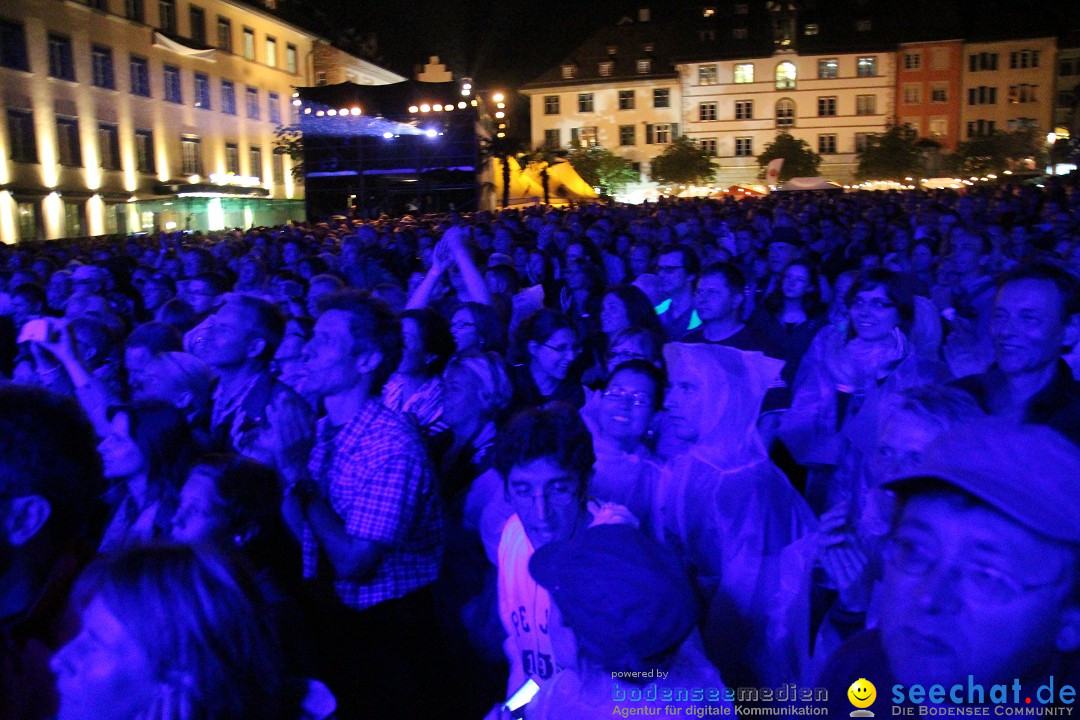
(928, 89)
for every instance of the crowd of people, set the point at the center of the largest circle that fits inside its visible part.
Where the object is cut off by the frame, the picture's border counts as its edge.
(402, 468)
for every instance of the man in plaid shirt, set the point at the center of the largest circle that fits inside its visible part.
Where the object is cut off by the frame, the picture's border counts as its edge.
(365, 505)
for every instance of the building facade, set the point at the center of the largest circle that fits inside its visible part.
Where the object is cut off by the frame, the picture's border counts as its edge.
(618, 91)
(929, 88)
(1008, 85)
(833, 101)
(141, 115)
(1067, 95)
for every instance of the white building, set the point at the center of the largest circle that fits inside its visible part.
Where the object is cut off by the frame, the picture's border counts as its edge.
(833, 101)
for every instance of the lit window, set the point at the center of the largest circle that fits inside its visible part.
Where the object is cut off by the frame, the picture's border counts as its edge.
(744, 73)
(785, 76)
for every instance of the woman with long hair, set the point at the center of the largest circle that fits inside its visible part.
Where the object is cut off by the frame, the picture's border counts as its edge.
(146, 452)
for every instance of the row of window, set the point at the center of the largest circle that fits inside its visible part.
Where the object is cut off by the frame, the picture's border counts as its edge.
(826, 107)
(23, 144)
(786, 73)
(1018, 60)
(939, 59)
(13, 49)
(913, 93)
(661, 98)
(655, 134)
(987, 94)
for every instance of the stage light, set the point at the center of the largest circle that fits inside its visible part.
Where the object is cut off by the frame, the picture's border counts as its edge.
(473, 103)
(320, 113)
(448, 107)
(466, 91)
(388, 134)
(461, 105)
(425, 108)
(355, 111)
(498, 97)
(296, 94)
(500, 114)
(331, 112)
(500, 135)
(437, 107)
(431, 133)
(344, 111)
(307, 111)
(414, 109)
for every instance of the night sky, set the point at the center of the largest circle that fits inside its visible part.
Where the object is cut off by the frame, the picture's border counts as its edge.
(496, 42)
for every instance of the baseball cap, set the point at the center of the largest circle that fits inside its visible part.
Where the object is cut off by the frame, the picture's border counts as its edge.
(1029, 473)
(626, 597)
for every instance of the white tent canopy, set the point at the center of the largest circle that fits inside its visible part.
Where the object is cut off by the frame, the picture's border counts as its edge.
(809, 183)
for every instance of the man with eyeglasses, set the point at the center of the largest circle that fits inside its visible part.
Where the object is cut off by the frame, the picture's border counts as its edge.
(677, 268)
(545, 458)
(980, 570)
(1035, 318)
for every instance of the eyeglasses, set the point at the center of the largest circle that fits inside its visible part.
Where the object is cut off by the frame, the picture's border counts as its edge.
(559, 493)
(563, 349)
(873, 303)
(976, 583)
(619, 394)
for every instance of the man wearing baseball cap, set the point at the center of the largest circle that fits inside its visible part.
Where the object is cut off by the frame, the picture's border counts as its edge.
(980, 569)
(623, 617)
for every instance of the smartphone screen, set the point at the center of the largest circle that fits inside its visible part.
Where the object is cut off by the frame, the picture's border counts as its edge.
(521, 697)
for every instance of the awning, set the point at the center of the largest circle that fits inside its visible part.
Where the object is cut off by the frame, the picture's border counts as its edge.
(201, 189)
(165, 42)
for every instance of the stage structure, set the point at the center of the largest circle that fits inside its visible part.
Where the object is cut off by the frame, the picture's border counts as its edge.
(406, 147)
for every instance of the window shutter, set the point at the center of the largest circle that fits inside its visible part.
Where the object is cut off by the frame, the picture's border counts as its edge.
(649, 134)
(575, 137)
(674, 131)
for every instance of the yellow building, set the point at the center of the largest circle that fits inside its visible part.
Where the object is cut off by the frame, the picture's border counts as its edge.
(1008, 85)
(143, 115)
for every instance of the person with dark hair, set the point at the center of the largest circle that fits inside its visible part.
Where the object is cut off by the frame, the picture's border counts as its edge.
(28, 301)
(238, 342)
(319, 287)
(234, 501)
(844, 379)
(622, 307)
(203, 292)
(719, 292)
(791, 315)
(979, 580)
(544, 458)
(478, 328)
(155, 292)
(50, 489)
(1035, 318)
(626, 470)
(365, 503)
(677, 267)
(146, 453)
(416, 387)
(635, 343)
(172, 632)
(548, 344)
(177, 313)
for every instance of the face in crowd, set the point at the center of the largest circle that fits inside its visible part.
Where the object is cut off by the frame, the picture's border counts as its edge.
(1029, 326)
(963, 596)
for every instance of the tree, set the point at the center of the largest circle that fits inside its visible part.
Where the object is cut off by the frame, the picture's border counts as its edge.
(288, 140)
(998, 151)
(799, 159)
(602, 168)
(892, 155)
(683, 162)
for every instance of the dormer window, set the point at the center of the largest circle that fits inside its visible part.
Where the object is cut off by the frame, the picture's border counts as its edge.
(649, 47)
(612, 49)
(644, 66)
(569, 72)
(606, 67)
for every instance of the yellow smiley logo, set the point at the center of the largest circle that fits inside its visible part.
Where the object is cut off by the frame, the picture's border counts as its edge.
(862, 693)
